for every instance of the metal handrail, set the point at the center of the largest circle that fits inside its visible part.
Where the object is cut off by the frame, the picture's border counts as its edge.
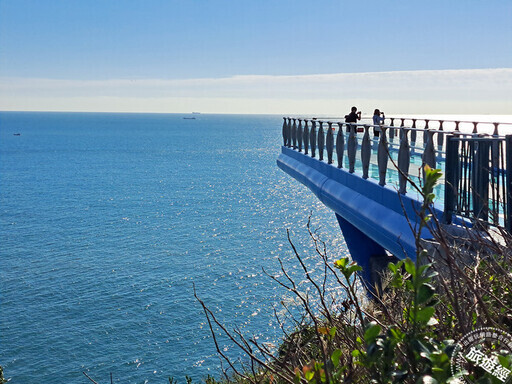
(305, 138)
(415, 120)
(478, 182)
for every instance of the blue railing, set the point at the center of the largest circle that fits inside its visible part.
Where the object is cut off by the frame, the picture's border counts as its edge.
(478, 181)
(468, 190)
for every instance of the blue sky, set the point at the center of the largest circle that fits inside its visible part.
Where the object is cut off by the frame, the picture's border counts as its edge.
(87, 42)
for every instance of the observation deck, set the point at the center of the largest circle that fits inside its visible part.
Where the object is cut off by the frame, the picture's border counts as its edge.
(366, 180)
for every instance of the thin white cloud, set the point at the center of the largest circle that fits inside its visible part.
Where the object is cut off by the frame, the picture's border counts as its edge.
(464, 91)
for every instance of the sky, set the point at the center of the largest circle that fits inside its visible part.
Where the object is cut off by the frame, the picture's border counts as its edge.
(261, 56)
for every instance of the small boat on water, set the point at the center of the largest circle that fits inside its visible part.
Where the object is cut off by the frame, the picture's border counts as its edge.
(16, 134)
(189, 118)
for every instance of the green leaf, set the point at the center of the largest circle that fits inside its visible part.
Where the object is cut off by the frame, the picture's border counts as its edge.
(425, 293)
(504, 361)
(424, 315)
(423, 268)
(397, 334)
(431, 274)
(438, 371)
(420, 348)
(323, 378)
(431, 178)
(372, 332)
(352, 269)
(410, 267)
(296, 378)
(341, 263)
(335, 357)
(332, 332)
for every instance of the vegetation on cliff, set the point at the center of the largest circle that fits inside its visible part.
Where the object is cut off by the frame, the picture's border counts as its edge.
(406, 331)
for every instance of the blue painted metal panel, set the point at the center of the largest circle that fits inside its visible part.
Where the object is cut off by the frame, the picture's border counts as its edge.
(362, 249)
(376, 211)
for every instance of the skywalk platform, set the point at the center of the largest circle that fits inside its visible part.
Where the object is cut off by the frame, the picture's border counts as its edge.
(367, 186)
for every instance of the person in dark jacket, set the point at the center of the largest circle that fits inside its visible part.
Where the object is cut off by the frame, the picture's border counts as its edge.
(353, 116)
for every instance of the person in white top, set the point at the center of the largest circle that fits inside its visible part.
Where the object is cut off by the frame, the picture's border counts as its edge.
(378, 120)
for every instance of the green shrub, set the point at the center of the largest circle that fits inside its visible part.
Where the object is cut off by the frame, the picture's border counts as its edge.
(406, 333)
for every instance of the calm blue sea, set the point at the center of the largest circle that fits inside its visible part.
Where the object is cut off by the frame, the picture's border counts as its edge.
(107, 220)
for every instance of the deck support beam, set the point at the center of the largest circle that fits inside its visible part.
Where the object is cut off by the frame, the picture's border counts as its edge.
(367, 253)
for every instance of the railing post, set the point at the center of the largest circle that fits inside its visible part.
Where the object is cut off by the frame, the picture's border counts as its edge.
(329, 143)
(351, 148)
(440, 136)
(413, 131)
(425, 134)
(285, 127)
(366, 151)
(294, 134)
(392, 133)
(299, 135)
(340, 145)
(404, 161)
(429, 153)
(495, 153)
(306, 137)
(401, 132)
(392, 124)
(495, 156)
(289, 133)
(451, 180)
(508, 188)
(481, 180)
(382, 156)
(312, 138)
(321, 141)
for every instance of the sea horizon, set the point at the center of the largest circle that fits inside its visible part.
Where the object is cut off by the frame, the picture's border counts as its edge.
(108, 220)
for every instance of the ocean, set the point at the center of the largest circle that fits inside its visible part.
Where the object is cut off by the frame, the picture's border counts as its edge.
(107, 221)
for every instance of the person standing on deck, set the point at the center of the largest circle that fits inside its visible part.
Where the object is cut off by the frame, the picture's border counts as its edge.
(353, 116)
(378, 120)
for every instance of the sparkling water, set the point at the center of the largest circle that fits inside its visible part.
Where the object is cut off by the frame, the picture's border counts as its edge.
(108, 220)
